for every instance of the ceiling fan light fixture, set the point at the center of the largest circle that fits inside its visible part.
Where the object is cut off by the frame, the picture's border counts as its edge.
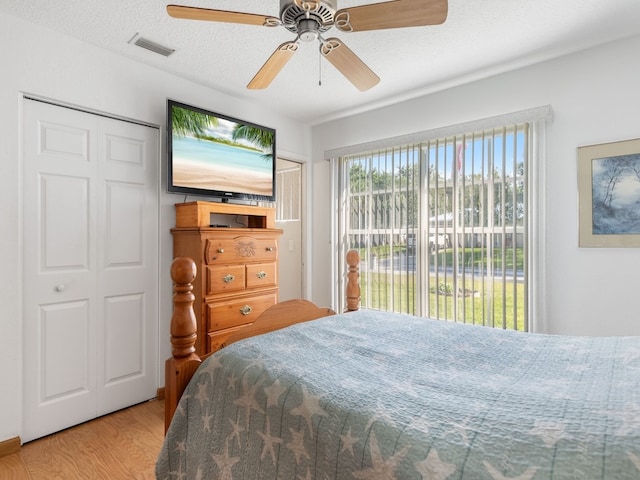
(308, 30)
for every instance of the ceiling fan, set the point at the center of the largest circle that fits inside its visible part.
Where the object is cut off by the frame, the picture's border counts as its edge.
(309, 19)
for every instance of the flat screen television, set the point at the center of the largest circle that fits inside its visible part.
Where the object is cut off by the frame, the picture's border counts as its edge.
(219, 156)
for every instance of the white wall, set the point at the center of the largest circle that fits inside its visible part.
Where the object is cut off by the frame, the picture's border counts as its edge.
(40, 62)
(595, 96)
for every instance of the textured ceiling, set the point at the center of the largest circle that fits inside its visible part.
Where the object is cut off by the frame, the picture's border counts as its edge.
(479, 38)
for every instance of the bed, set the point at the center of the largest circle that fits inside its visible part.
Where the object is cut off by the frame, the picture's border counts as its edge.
(375, 395)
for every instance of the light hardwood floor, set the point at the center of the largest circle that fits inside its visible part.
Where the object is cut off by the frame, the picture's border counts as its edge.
(122, 445)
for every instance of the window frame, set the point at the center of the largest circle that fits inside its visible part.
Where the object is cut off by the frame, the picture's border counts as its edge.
(534, 257)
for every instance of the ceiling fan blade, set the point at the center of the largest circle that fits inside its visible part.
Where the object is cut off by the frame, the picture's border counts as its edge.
(391, 14)
(349, 64)
(194, 13)
(273, 65)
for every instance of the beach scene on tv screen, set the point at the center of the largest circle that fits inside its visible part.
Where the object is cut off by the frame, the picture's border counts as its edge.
(213, 153)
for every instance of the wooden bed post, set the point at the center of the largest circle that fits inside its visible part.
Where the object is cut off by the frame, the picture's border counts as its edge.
(184, 361)
(353, 284)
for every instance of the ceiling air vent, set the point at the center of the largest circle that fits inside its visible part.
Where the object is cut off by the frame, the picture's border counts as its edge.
(151, 46)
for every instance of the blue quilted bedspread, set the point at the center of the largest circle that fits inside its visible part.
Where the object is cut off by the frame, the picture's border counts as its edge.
(372, 395)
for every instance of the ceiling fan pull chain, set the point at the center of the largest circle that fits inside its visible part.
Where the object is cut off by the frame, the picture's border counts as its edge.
(319, 67)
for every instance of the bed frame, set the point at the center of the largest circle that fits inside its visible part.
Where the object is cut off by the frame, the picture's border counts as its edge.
(184, 361)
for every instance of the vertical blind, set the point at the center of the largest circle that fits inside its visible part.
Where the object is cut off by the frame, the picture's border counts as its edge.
(442, 225)
(288, 194)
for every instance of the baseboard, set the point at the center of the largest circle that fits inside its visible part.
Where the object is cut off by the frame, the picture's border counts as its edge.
(12, 445)
(160, 393)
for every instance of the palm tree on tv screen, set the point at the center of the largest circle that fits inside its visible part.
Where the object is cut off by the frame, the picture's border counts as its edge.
(258, 136)
(189, 122)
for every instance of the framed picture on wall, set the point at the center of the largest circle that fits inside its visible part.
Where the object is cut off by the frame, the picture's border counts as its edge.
(609, 194)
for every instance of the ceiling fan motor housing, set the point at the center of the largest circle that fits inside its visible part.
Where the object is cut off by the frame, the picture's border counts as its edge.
(308, 23)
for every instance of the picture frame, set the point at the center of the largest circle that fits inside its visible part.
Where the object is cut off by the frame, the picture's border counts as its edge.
(609, 194)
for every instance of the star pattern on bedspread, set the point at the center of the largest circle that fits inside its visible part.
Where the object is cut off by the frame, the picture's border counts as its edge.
(381, 414)
(381, 469)
(307, 476)
(421, 424)
(202, 396)
(629, 418)
(309, 407)
(578, 347)
(257, 362)
(231, 382)
(635, 460)
(181, 446)
(351, 383)
(206, 420)
(407, 388)
(528, 474)
(213, 365)
(225, 463)
(269, 442)
(549, 431)
(296, 445)
(631, 355)
(433, 468)
(554, 387)
(577, 369)
(274, 392)
(348, 441)
(460, 430)
(248, 398)
(236, 430)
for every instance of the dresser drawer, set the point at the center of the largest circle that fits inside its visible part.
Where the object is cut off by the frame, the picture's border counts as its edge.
(261, 275)
(217, 340)
(240, 249)
(238, 311)
(225, 278)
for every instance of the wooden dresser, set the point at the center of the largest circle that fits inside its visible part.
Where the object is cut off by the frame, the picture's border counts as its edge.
(237, 276)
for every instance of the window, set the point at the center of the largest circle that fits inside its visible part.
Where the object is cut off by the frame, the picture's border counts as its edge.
(443, 225)
(288, 191)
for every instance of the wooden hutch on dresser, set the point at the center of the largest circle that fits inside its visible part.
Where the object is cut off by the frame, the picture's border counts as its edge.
(237, 268)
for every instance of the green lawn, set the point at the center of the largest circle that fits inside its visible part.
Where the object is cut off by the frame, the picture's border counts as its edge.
(476, 257)
(483, 300)
(468, 256)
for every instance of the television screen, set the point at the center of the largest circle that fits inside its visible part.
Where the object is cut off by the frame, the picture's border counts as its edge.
(219, 156)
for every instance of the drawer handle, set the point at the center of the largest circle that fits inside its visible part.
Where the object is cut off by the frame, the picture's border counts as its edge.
(246, 310)
(228, 278)
(261, 274)
(221, 250)
(269, 249)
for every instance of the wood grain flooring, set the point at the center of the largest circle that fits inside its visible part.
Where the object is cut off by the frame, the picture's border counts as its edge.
(121, 445)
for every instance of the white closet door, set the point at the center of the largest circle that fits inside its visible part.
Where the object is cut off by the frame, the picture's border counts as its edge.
(90, 234)
(127, 258)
